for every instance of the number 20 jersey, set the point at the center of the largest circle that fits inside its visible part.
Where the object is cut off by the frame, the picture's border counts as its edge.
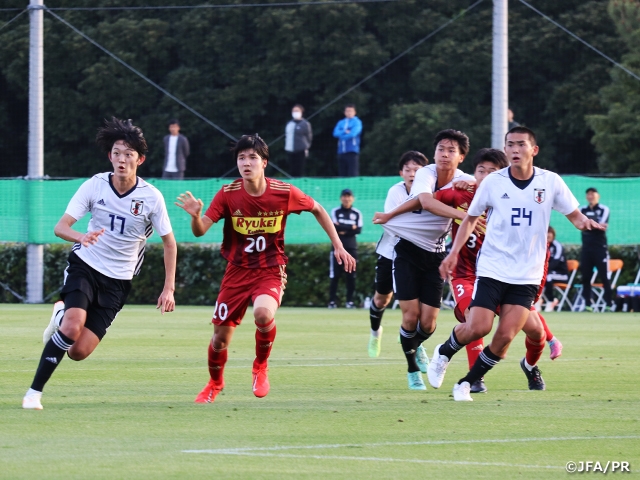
(128, 220)
(515, 244)
(253, 232)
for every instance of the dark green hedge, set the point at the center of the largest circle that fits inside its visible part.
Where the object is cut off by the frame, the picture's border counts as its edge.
(200, 270)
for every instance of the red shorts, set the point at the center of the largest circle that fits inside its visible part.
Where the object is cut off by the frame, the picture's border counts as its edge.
(241, 285)
(462, 293)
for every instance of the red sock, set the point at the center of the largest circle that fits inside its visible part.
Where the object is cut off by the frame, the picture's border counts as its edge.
(546, 330)
(217, 360)
(474, 349)
(265, 335)
(534, 350)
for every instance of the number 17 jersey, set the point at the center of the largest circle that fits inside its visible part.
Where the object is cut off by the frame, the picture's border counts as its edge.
(253, 232)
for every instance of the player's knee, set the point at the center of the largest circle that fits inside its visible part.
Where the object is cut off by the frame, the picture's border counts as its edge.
(479, 330)
(78, 354)
(262, 315)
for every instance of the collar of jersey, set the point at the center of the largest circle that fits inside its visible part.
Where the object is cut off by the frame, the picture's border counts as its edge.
(125, 193)
(521, 184)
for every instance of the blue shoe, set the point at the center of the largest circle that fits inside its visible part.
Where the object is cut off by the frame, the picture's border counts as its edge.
(415, 381)
(422, 359)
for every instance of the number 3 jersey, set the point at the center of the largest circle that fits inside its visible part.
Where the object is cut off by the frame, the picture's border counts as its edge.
(518, 214)
(128, 220)
(253, 233)
(461, 199)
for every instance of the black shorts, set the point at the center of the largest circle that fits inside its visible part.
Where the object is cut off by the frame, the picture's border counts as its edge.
(416, 275)
(384, 275)
(490, 294)
(100, 296)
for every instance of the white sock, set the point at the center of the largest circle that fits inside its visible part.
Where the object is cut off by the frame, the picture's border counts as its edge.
(526, 364)
(376, 333)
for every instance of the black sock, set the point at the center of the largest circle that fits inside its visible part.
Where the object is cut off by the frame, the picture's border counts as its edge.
(421, 336)
(408, 342)
(451, 346)
(52, 355)
(375, 316)
(485, 362)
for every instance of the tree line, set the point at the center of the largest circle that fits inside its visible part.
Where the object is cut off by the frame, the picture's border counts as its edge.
(244, 68)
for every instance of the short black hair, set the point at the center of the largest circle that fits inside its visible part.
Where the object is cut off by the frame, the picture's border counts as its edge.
(350, 105)
(412, 156)
(297, 105)
(174, 121)
(497, 157)
(525, 130)
(254, 142)
(552, 231)
(115, 130)
(460, 138)
(591, 189)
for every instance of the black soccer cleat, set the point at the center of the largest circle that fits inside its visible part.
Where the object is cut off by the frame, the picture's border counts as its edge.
(478, 386)
(534, 376)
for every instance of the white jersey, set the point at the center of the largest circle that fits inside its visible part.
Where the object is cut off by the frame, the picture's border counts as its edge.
(396, 195)
(515, 245)
(128, 220)
(422, 228)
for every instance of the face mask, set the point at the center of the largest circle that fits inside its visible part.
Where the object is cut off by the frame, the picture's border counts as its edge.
(296, 115)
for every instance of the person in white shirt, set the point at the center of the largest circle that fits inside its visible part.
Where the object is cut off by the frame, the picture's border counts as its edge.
(125, 210)
(421, 225)
(518, 201)
(176, 151)
(410, 162)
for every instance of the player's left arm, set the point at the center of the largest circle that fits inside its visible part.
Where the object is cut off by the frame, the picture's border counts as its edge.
(342, 256)
(166, 302)
(582, 222)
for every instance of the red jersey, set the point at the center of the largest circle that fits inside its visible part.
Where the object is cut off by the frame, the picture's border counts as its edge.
(461, 199)
(253, 233)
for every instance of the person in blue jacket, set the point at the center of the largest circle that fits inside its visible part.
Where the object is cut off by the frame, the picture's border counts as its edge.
(348, 131)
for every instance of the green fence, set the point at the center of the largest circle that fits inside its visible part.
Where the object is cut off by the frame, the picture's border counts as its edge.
(29, 209)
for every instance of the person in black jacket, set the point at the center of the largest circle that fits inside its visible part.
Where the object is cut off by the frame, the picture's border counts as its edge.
(558, 270)
(348, 222)
(595, 253)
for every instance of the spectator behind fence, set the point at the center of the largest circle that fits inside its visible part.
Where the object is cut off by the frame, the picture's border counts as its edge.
(298, 137)
(348, 131)
(512, 122)
(176, 151)
(348, 222)
(595, 253)
(558, 270)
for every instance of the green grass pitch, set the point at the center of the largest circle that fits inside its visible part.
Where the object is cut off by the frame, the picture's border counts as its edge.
(128, 412)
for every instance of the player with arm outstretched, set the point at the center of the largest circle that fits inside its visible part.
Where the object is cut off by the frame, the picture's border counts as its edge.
(125, 210)
(519, 200)
(410, 162)
(255, 210)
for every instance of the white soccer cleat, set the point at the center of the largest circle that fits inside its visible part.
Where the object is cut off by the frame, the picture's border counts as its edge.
(462, 392)
(54, 323)
(437, 368)
(31, 400)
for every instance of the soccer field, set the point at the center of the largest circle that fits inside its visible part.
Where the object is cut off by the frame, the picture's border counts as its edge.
(128, 411)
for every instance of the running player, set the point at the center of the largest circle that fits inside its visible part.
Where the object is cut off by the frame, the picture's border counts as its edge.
(254, 209)
(410, 162)
(511, 264)
(420, 248)
(124, 212)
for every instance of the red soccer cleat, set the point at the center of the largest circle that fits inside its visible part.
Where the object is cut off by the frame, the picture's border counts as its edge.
(260, 382)
(209, 393)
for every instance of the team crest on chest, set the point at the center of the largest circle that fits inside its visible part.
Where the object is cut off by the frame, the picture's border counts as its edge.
(136, 207)
(538, 195)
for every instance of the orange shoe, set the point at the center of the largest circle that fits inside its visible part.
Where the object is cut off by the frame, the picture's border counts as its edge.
(209, 393)
(260, 381)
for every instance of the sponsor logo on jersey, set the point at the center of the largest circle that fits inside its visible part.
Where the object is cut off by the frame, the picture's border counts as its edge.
(237, 213)
(256, 225)
(505, 196)
(101, 202)
(538, 195)
(136, 207)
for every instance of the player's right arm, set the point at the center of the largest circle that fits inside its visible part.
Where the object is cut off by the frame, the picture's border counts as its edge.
(64, 231)
(193, 206)
(465, 229)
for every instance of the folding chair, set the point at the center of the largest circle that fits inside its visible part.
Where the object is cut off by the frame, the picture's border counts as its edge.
(615, 267)
(565, 288)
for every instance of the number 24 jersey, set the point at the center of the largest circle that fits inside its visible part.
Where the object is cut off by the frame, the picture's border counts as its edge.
(253, 232)
(515, 244)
